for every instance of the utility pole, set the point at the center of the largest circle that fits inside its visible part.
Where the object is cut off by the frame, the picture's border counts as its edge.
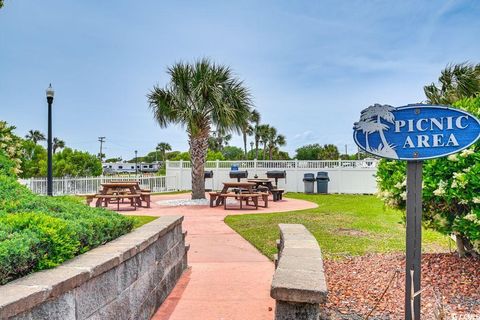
(346, 150)
(136, 162)
(101, 140)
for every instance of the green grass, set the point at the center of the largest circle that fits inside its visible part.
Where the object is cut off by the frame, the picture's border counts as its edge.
(141, 220)
(344, 225)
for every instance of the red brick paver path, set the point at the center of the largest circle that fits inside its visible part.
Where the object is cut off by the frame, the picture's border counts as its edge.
(228, 279)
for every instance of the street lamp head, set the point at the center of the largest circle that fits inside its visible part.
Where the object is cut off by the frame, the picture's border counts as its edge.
(251, 144)
(50, 92)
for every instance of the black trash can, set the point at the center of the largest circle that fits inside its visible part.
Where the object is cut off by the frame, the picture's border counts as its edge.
(322, 182)
(309, 182)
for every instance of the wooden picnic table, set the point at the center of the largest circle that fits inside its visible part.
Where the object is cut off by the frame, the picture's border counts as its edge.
(229, 185)
(263, 183)
(107, 187)
(125, 190)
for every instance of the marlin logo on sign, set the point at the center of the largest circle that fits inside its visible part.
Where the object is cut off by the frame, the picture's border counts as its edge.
(415, 132)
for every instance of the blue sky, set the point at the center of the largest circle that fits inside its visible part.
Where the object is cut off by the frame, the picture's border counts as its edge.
(311, 65)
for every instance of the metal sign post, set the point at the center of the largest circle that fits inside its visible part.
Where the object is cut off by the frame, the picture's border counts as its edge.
(414, 240)
(414, 133)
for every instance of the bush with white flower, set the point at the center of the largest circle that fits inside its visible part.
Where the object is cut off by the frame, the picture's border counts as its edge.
(451, 189)
(10, 144)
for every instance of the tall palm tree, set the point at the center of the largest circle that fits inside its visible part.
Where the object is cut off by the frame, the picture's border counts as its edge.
(249, 129)
(218, 140)
(35, 136)
(455, 82)
(275, 142)
(263, 131)
(57, 144)
(199, 96)
(255, 121)
(163, 147)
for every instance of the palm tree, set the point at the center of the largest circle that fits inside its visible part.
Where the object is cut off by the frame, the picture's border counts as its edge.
(35, 136)
(255, 120)
(274, 141)
(218, 140)
(249, 129)
(263, 131)
(329, 152)
(198, 96)
(163, 147)
(57, 144)
(455, 82)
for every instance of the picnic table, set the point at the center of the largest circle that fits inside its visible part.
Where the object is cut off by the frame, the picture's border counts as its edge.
(267, 183)
(122, 190)
(241, 190)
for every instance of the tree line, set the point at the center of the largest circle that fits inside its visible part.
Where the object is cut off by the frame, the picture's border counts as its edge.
(30, 156)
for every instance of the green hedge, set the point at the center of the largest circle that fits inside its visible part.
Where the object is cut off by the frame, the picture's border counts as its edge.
(38, 232)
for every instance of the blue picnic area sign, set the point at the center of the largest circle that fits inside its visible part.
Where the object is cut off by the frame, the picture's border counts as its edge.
(415, 132)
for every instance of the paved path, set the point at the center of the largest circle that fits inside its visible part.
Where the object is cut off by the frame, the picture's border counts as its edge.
(228, 279)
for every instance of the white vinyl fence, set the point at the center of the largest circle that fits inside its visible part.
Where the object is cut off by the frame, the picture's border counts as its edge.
(354, 177)
(90, 185)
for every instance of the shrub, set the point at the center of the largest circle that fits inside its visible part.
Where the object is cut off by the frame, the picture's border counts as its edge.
(451, 187)
(39, 232)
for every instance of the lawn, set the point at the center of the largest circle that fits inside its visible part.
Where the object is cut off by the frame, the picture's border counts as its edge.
(141, 220)
(344, 225)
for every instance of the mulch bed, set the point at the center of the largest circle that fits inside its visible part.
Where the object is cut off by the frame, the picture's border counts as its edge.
(355, 284)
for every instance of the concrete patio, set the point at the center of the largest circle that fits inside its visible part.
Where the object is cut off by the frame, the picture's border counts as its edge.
(228, 278)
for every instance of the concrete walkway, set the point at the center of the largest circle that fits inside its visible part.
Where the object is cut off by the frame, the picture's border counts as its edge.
(228, 279)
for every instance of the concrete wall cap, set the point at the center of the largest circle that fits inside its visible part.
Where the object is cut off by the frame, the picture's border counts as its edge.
(299, 276)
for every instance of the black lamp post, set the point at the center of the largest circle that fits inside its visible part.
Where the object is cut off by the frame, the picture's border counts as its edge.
(251, 146)
(50, 93)
(136, 162)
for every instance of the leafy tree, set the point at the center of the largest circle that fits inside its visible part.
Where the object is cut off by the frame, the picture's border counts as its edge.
(57, 144)
(198, 96)
(113, 160)
(1, 4)
(329, 152)
(172, 155)
(35, 136)
(308, 152)
(181, 156)
(455, 82)
(163, 147)
(232, 153)
(282, 155)
(33, 159)
(214, 155)
(69, 162)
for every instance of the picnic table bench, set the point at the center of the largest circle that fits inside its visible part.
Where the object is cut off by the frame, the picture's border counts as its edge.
(266, 184)
(241, 196)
